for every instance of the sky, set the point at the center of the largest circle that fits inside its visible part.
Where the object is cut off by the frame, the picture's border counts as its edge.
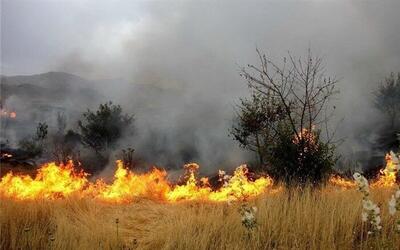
(197, 48)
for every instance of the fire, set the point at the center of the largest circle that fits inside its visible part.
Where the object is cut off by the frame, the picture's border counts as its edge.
(305, 135)
(127, 186)
(6, 155)
(9, 114)
(54, 181)
(342, 182)
(51, 182)
(388, 175)
(236, 187)
(190, 190)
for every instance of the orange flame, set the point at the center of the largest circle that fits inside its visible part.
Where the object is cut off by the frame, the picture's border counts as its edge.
(54, 181)
(341, 182)
(388, 175)
(305, 135)
(51, 182)
(9, 114)
(127, 186)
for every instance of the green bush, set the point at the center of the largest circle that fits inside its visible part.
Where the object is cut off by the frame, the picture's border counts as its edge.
(101, 129)
(300, 162)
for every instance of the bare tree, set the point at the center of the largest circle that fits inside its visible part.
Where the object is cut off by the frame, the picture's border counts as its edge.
(300, 85)
(387, 98)
(298, 154)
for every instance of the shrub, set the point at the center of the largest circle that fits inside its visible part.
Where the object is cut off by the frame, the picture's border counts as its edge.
(101, 129)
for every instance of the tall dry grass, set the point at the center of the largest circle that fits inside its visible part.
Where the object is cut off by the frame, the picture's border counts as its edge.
(324, 219)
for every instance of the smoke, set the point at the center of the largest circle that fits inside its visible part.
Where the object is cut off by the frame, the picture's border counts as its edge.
(175, 65)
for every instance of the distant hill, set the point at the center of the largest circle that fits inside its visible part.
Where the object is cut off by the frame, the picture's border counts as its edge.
(41, 98)
(51, 87)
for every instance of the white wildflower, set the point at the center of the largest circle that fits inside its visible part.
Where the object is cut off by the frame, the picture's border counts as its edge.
(368, 205)
(248, 216)
(392, 206)
(377, 221)
(376, 209)
(394, 157)
(371, 212)
(364, 216)
(397, 194)
(356, 176)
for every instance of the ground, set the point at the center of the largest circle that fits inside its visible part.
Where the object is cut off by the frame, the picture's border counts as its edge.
(320, 219)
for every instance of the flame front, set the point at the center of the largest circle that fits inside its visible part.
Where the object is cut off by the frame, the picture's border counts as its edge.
(387, 176)
(54, 181)
(127, 186)
(234, 188)
(51, 182)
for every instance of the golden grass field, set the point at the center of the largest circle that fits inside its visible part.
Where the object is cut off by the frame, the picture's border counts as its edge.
(324, 219)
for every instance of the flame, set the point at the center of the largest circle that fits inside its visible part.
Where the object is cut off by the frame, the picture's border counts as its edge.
(6, 155)
(127, 185)
(9, 114)
(54, 181)
(51, 182)
(305, 135)
(342, 182)
(387, 177)
(237, 187)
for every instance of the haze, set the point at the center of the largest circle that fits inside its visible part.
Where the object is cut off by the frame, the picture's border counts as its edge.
(191, 51)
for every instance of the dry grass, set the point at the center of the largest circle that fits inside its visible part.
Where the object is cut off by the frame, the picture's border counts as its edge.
(327, 219)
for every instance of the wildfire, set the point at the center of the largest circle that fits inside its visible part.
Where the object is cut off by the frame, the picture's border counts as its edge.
(342, 182)
(388, 175)
(128, 186)
(236, 187)
(51, 182)
(54, 181)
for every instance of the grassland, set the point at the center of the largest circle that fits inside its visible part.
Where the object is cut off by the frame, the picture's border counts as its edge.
(324, 219)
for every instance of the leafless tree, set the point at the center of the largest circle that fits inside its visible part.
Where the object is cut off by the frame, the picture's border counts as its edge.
(301, 86)
(297, 154)
(387, 98)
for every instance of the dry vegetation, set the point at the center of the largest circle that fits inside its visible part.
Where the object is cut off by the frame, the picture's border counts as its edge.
(325, 219)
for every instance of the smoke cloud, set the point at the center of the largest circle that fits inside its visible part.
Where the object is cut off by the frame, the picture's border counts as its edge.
(175, 65)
